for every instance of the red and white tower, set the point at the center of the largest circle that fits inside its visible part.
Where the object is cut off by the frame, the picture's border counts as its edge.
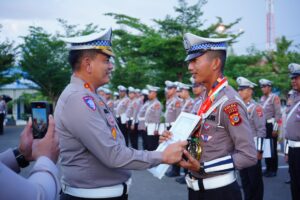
(270, 46)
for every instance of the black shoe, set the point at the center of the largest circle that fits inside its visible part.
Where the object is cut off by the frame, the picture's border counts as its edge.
(172, 174)
(271, 174)
(288, 181)
(265, 172)
(181, 180)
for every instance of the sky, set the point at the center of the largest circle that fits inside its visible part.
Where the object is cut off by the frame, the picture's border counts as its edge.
(17, 15)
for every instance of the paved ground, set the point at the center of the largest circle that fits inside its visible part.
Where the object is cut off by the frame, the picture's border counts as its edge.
(146, 187)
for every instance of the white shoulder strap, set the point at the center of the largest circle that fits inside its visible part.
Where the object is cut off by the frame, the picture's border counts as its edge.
(291, 112)
(214, 106)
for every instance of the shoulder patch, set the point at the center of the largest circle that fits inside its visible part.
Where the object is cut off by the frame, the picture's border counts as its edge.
(259, 111)
(276, 100)
(233, 113)
(157, 106)
(89, 101)
(177, 104)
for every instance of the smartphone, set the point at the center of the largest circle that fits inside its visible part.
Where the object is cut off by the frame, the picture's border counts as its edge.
(40, 111)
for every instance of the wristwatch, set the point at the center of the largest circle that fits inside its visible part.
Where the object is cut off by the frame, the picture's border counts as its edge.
(22, 162)
(201, 169)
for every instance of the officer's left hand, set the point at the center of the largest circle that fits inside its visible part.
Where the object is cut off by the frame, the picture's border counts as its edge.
(190, 162)
(274, 133)
(26, 140)
(259, 155)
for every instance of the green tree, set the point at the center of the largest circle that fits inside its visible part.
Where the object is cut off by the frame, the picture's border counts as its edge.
(7, 58)
(156, 52)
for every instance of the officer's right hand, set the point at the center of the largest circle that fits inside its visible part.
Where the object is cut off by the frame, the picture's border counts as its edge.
(173, 153)
(47, 146)
(166, 135)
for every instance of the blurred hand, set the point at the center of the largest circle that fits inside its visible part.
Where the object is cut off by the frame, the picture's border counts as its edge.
(274, 133)
(47, 146)
(190, 163)
(156, 133)
(26, 140)
(286, 158)
(259, 155)
(166, 135)
(173, 153)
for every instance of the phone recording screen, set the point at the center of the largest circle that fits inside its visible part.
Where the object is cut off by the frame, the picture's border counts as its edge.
(39, 118)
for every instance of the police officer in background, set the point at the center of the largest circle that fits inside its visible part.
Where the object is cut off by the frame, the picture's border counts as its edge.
(292, 133)
(141, 117)
(224, 141)
(109, 100)
(95, 161)
(43, 182)
(2, 113)
(152, 118)
(130, 124)
(251, 177)
(173, 109)
(121, 111)
(187, 100)
(116, 102)
(272, 109)
(101, 92)
(199, 93)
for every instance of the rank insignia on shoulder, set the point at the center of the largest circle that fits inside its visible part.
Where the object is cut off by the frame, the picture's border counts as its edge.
(233, 112)
(114, 132)
(89, 101)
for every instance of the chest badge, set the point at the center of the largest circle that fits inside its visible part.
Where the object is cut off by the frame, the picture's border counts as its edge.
(206, 138)
(89, 101)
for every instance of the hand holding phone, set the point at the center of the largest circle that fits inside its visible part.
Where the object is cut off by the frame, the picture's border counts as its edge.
(40, 112)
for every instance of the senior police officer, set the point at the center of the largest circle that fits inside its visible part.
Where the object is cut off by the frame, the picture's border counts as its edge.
(292, 133)
(95, 161)
(251, 177)
(224, 140)
(272, 109)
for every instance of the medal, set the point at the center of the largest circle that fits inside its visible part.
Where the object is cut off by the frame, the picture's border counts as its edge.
(114, 132)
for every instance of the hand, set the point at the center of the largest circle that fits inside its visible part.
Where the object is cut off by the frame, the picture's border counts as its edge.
(173, 153)
(47, 146)
(274, 133)
(259, 155)
(190, 163)
(166, 135)
(156, 133)
(26, 140)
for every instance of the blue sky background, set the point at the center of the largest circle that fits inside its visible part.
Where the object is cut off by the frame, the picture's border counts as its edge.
(17, 15)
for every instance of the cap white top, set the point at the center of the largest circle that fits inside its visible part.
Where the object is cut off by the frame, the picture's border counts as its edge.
(243, 82)
(152, 88)
(131, 89)
(145, 91)
(265, 82)
(294, 69)
(184, 86)
(122, 88)
(170, 83)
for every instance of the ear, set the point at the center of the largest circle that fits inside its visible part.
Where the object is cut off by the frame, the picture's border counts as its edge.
(87, 65)
(216, 64)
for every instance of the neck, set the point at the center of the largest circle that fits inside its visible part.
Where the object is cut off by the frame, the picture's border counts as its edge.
(209, 84)
(86, 79)
(247, 99)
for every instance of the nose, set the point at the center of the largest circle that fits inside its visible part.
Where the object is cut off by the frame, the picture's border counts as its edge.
(191, 67)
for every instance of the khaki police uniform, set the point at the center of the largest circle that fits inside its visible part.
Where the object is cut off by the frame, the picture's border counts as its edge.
(251, 177)
(225, 135)
(292, 134)
(152, 119)
(121, 114)
(131, 126)
(141, 120)
(272, 109)
(94, 159)
(43, 182)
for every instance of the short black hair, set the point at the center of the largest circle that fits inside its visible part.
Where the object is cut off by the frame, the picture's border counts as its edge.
(75, 57)
(221, 54)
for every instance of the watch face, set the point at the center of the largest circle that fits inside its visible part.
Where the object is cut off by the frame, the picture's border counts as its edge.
(22, 162)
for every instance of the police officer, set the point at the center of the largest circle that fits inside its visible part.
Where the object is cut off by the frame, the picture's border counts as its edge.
(43, 182)
(292, 134)
(251, 177)
(121, 111)
(224, 140)
(152, 117)
(141, 117)
(116, 102)
(187, 101)
(95, 161)
(101, 92)
(109, 100)
(173, 109)
(131, 128)
(272, 109)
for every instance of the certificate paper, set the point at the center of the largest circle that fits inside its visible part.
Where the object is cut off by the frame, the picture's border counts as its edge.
(181, 130)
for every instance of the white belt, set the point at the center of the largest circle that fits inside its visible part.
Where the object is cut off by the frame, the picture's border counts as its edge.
(211, 183)
(293, 144)
(271, 120)
(141, 118)
(103, 192)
